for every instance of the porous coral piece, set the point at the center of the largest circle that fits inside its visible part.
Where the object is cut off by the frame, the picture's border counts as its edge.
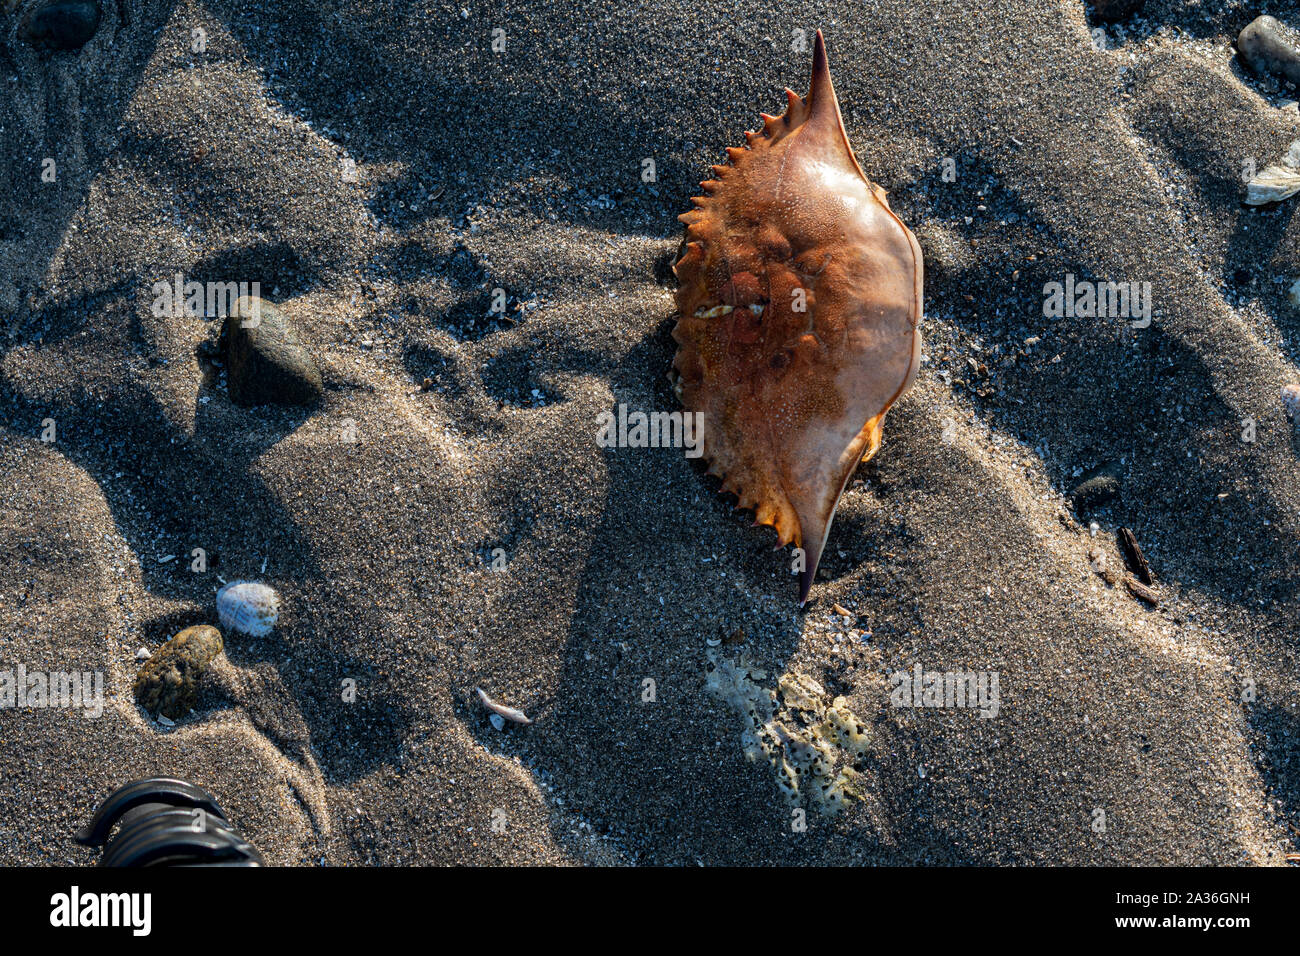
(811, 747)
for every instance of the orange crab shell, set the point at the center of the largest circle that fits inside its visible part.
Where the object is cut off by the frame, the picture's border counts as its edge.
(799, 297)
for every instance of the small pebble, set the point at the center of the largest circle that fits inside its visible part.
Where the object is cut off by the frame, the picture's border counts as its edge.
(266, 364)
(1112, 11)
(1098, 487)
(1269, 46)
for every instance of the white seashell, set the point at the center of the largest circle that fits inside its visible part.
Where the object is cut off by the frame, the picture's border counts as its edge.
(1274, 184)
(142, 654)
(497, 721)
(1291, 399)
(248, 607)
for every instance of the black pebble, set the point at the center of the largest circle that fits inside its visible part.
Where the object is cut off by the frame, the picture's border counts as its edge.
(1097, 487)
(1113, 11)
(64, 24)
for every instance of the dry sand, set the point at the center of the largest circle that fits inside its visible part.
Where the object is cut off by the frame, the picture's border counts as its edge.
(521, 170)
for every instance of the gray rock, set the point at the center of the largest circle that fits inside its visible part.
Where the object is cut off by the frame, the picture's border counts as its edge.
(167, 682)
(266, 364)
(1268, 46)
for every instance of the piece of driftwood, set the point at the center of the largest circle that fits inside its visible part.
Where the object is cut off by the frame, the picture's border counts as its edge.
(1140, 590)
(1136, 559)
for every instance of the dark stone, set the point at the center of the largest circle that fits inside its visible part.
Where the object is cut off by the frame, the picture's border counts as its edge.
(63, 24)
(1268, 46)
(1097, 487)
(167, 682)
(1113, 11)
(266, 364)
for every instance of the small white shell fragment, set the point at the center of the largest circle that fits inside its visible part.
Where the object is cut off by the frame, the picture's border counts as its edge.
(497, 721)
(1291, 399)
(166, 721)
(715, 312)
(142, 654)
(1294, 294)
(248, 607)
(1276, 183)
(509, 713)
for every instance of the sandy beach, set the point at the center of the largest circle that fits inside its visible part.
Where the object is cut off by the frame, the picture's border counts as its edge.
(450, 204)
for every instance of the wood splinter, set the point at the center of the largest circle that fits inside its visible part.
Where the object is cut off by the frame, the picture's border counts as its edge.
(1136, 559)
(1140, 590)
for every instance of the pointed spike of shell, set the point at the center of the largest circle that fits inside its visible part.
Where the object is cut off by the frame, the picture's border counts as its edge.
(820, 89)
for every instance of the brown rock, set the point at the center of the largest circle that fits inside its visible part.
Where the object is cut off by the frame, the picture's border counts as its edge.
(166, 683)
